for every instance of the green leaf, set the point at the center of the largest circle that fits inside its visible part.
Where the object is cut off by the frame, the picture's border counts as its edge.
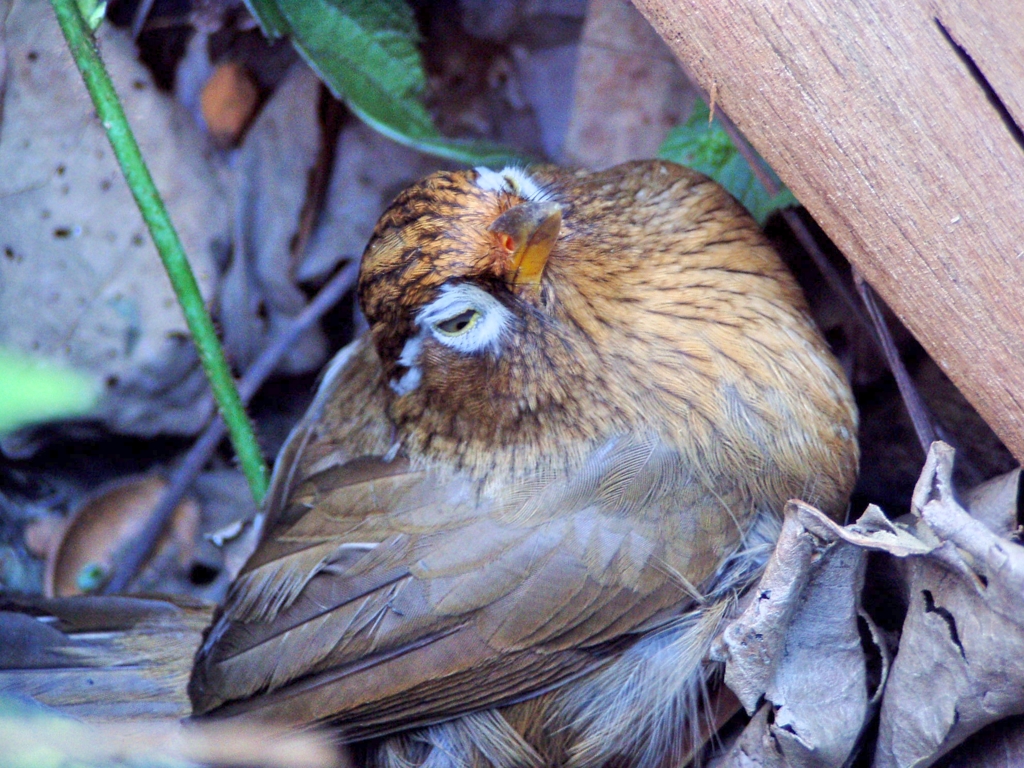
(33, 391)
(91, 577)
(366, 52)
(709, 150)
(271, 21)
(93, 11)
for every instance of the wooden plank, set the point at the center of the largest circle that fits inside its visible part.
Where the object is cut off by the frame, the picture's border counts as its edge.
(992, 35)
(876, 121)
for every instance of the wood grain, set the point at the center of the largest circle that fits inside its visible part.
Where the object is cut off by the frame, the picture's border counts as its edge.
(894, 125)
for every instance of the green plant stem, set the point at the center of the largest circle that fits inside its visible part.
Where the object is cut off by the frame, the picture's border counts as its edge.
(83, 49)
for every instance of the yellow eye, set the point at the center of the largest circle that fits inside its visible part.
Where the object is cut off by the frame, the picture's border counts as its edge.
(459, 324)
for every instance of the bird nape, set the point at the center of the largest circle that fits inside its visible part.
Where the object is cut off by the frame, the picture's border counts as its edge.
(523, 504)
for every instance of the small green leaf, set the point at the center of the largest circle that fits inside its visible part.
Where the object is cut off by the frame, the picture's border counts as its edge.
(709, 150)
(366, 52)
(91, 577)
(267, 14)
(93, 11)
(33, 391)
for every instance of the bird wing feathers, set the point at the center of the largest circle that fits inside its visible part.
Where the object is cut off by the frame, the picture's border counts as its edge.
(387, 596)
(106, 658)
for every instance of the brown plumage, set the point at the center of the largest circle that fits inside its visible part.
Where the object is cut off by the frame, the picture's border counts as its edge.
(101, 659)
(512, 521)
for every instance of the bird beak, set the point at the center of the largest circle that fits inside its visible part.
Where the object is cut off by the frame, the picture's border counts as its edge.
(527, 233)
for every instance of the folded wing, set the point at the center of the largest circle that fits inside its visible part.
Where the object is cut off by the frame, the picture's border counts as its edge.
(397, 597)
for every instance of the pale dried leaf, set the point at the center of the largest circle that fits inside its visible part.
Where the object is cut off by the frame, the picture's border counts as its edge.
(755, 747)
(798, 646)
(369, 170)
(753, 644)
(999, 746)
(629, 89)
(271, 178)
(958, 667)
(73, 243)
(542, 72)
(820, 690)
(994, 503)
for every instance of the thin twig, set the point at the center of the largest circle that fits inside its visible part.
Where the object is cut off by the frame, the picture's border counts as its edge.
(82, 45)
(920, 414)
(141, 548)
(141, 14)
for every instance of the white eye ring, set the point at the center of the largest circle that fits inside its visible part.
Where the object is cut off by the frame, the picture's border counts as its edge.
(511, 179)
(481, 330)
(487, 319)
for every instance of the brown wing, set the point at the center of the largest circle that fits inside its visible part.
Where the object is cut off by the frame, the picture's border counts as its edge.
(332, 431)
(398, 598)
(101, 658)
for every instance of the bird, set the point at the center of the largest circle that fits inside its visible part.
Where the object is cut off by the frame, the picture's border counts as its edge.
(525, 501)
(101, 658)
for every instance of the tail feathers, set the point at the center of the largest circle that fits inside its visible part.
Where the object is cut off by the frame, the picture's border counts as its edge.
(654, 703)
(478, 740)
(101, 659)
(648, 705)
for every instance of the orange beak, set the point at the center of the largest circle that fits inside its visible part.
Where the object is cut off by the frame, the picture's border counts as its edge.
(527, 233)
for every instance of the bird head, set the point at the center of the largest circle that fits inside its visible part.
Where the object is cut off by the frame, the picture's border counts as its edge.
(451, 265)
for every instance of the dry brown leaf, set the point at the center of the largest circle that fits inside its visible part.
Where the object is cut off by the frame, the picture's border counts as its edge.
(271, 178)
(797, 648)
(228, 101)
(958, 667)
(106, 521)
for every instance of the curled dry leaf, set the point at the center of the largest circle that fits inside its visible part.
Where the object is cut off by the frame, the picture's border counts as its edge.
(108, 520)
(958, 668)
(797, 648)
(874, 531)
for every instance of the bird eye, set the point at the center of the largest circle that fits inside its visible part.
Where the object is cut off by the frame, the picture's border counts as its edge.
(458, 324)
